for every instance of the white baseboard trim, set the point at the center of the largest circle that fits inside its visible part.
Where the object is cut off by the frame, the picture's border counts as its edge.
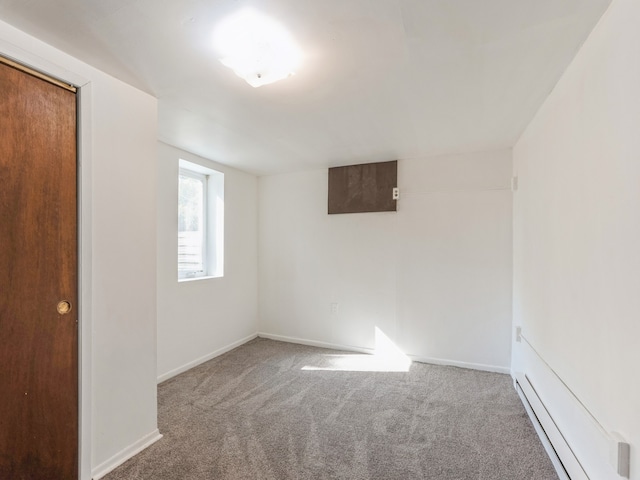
(415, 358)
(314, 343)
(205, 358)
(124, 455)
(455, 363)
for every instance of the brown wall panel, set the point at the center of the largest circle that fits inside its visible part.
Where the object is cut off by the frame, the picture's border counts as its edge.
(363, 188)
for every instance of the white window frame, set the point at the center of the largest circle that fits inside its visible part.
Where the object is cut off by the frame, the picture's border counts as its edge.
(213, 226)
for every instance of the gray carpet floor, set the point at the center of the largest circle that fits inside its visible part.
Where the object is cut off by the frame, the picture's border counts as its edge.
(269, 411)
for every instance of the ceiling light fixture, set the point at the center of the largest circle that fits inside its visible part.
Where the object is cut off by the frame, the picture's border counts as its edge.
(257, 48)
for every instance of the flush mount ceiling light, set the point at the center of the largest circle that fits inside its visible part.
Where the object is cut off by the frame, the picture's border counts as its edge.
(257, 48)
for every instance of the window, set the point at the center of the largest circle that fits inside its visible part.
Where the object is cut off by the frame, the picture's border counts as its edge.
(200, 221)
(192, 224)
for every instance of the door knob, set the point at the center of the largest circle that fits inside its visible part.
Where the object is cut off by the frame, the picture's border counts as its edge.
(64, 307)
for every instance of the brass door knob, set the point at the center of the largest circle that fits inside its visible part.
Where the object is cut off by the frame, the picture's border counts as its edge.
(64, 307)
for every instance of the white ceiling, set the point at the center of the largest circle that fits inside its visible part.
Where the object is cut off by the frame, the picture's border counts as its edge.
(381, 79)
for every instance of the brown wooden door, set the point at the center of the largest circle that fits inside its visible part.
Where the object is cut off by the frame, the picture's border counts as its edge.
(38, 269)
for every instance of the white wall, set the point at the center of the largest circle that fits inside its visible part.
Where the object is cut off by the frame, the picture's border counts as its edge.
(577, 234)
(118, 260)
(435, 277)
(199, 318)
(124, 267)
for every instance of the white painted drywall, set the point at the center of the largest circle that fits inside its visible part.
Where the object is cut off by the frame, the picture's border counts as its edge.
(200, 317)
(577, 231)
(124, 267)
(118, 261)
(454, 258)
(435, 277)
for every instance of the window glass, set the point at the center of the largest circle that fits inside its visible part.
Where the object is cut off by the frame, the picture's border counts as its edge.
(192, 241)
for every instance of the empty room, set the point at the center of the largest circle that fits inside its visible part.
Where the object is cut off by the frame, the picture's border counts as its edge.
(319, 239)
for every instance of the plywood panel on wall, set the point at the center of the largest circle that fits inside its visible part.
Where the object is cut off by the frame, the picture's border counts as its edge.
(363, 188)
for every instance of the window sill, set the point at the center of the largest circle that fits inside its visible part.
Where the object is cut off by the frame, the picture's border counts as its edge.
(195, 279)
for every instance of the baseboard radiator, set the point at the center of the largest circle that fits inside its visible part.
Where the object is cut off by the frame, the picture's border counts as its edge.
(564, 460)
(578, 445)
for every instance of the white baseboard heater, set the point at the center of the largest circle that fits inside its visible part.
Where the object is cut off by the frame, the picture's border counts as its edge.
(578, 446)
(564, 460)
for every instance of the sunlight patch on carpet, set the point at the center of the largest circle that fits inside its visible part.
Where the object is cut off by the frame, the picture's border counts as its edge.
(387, 358)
